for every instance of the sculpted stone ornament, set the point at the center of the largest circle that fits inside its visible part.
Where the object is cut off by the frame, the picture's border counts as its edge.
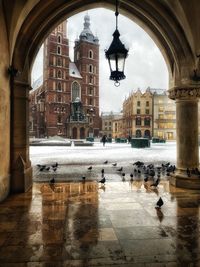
(184, 93)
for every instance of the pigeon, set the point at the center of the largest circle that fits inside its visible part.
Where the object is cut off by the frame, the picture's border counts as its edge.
(159, 203)
(55, 169)
(120, 169)
(42, 168)
(55, 165)
(155, 183)
(150, 166)
(105, 162)
(114, 164)
(152, 172)
(131, 175)
(90, 168)
(52, 181)
(103, 180)
(138, 163)
(102, 171)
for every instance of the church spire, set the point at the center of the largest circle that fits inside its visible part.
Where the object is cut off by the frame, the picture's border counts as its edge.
(86, 34)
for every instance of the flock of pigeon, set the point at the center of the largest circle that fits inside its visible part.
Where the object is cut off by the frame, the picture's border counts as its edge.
(150, 173)
(48, 168)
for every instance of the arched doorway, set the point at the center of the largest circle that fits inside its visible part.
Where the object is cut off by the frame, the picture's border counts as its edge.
(147, 134)
(82, 132)
(167, 24)
(74, 133)
(138, 133)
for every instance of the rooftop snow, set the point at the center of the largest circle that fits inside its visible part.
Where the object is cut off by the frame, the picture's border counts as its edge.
(73, 71)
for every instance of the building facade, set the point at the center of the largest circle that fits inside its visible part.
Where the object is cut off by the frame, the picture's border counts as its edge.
(137, 114)
(107, 122)
(67, 101)
(117, 126)
(149, 114)
(164, 115)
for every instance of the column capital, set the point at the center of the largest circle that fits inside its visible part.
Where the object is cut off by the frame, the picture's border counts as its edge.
(184, 93)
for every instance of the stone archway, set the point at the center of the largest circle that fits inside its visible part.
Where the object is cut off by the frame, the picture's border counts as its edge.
(173, 26)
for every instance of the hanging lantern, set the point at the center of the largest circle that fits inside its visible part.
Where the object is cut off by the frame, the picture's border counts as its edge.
(116, 55)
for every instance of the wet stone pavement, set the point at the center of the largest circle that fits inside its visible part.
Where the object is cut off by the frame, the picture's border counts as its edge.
(80, 224)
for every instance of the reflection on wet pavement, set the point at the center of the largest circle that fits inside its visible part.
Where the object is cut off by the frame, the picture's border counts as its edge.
(88, 224)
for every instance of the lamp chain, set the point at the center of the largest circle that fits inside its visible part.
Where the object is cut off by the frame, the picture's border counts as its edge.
(116, 14)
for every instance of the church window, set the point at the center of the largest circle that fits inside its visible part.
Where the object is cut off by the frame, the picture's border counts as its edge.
(59, 87)
(90, 101)
(59, 39)
(90, 54)
(51, 60)
(58, 50)
(59, 74)
(59, 119)
(75, 91)
(59, 98)
(90, 68)
(51, 73)
(59, 61)
(91, 79)
(90, 91)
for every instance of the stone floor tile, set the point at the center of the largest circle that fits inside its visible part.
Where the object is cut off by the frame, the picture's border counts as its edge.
(82, 225)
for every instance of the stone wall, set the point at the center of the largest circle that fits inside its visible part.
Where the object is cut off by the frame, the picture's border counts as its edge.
(4, 110)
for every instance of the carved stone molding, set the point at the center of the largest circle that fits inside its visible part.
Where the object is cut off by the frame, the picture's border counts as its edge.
(184, 93)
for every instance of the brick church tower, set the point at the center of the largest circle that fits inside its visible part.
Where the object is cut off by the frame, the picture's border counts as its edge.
(86, 58)
(67, 102)
(56, 81)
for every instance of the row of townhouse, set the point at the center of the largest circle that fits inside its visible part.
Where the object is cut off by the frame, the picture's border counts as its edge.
(148, 114)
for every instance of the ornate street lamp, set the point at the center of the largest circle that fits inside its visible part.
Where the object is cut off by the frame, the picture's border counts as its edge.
(116, 55)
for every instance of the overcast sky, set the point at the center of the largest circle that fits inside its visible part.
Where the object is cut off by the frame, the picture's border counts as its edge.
(145, 65)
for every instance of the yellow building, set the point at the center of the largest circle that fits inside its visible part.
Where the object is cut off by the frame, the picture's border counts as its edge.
(118, 126)
(149, 114)
(137, 114)
(164, 115)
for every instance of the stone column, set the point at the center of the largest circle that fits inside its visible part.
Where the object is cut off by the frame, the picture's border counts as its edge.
(187, 137)
(21, 170)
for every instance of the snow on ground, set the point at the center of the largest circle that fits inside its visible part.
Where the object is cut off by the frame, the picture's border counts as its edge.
(74, 160)
(97, 154)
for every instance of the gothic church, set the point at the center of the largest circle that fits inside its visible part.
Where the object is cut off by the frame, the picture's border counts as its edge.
(66, 103)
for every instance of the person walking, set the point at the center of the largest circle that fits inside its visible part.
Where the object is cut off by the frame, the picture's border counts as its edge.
(104, 139)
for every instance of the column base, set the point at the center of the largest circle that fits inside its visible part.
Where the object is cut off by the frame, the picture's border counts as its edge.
(183, 181)
(21, 181)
